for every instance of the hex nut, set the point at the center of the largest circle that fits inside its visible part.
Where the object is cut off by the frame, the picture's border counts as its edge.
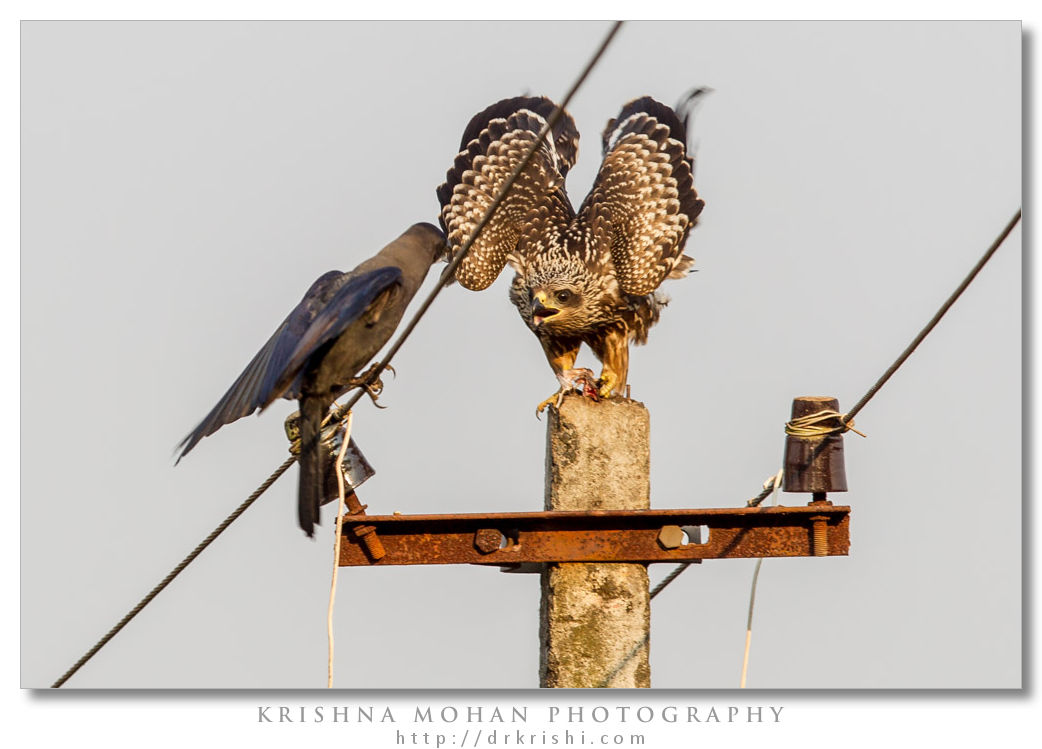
(671, 537)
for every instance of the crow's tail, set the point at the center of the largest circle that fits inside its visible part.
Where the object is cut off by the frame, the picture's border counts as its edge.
(309, 499)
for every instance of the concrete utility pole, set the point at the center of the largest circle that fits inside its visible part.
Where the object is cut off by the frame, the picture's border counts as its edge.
(593, 616)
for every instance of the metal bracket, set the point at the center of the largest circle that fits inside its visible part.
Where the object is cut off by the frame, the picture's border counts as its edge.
(634, 536)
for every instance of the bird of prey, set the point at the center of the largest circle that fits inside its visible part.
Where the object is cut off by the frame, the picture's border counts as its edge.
(581, 277)
(343, 320)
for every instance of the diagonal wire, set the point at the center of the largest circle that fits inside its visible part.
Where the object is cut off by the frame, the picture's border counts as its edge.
(177, 570)
(555, 116)
(848, 418)
(375, 372)
(636, 648)
(770, 486)
(935, 319)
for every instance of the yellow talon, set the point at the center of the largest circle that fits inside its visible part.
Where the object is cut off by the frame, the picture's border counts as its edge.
(607, 382)
(555, 399)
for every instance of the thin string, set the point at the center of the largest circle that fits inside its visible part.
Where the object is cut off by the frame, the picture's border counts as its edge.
(774, 483)
(336, 543)
(813, 425)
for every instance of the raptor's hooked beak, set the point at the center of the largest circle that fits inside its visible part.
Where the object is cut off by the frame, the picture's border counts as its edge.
(541, 310)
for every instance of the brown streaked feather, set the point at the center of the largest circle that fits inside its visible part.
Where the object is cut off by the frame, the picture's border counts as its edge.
(611, 256)
(565, 134)
(644, 194)
(493, 149)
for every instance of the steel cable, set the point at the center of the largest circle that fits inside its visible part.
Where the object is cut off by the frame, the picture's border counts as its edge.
(178, 569)
(375, 372)
(847, 419)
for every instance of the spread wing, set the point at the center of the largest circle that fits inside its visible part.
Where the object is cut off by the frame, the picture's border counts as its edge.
(494, 143)
(332, 303)
(644, 197)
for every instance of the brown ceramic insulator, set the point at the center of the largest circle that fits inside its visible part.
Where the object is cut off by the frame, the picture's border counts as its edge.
(814, 464)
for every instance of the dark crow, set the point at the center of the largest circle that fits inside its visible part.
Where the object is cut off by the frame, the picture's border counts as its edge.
(341, 323)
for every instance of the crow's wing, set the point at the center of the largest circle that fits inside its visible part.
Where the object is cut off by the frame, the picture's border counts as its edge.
(275, 370)
(349, 304)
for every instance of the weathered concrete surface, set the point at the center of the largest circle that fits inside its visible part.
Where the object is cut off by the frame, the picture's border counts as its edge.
(593, 616)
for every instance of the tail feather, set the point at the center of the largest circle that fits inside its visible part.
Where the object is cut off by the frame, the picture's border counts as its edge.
(309, 497)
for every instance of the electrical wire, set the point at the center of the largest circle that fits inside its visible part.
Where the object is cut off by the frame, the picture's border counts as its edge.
(374, 373)
(847, 419)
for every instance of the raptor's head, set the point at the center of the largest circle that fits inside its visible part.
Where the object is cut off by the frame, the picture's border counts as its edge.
(554, 304)
(559, 295)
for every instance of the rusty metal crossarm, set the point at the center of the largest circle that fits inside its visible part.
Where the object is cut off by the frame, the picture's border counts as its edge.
(634, 536)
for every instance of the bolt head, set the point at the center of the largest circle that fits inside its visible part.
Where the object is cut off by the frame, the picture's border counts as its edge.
(487, 540)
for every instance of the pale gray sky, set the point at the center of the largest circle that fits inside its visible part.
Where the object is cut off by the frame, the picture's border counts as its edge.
(183, 184)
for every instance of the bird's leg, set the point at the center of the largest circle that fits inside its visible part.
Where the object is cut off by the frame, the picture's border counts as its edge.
(563, 364)
(372, 389)
(614, 352)
(291, 425)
